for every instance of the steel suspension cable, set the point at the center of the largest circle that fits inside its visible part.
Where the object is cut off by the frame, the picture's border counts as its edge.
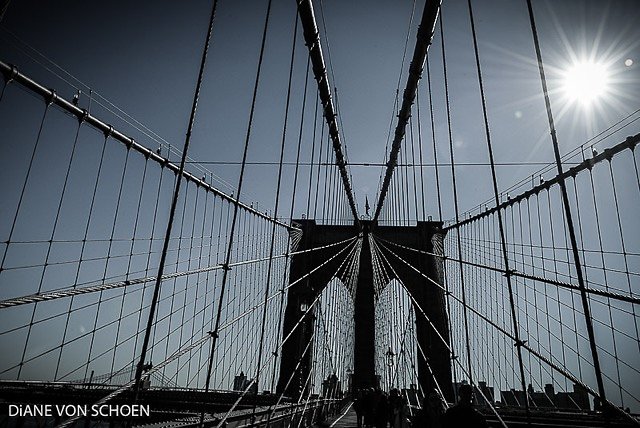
(315, 202)
(433, 327)
(53, 233)
(567, 210)
(311, 306)
(293, 199)
(313, 148)
(277, 204)
(26, 178)
(514, 317)
(226, 268)
(455, 196)
(423, 40)
(312, 40)
(419, 126)
(185, 149)
(548, 361)
(82, 249)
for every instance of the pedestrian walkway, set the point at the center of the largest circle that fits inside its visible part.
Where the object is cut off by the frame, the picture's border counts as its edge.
(346, 419)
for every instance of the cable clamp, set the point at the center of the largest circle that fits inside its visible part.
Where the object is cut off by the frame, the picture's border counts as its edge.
(109, 132)
(13, 73)
(213, 334)
(83, 116)
(51, 98)
(225, 267)
(509, 272)
(519, 343)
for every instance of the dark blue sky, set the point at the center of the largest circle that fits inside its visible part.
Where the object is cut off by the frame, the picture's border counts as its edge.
(143, 56)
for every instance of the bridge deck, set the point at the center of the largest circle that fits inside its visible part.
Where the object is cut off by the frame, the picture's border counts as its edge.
(345, 419)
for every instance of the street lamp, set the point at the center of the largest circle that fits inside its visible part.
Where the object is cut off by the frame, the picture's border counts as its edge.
(390, 354)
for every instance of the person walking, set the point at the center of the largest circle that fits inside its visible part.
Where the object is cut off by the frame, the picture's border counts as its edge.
(463, 414)
(358, 405)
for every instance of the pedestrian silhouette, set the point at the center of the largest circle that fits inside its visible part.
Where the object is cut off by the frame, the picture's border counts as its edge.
(463, 414)
(368, 407)
(358, 406)
(381, 409)
(431, 413)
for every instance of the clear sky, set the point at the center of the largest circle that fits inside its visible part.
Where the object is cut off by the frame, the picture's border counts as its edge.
(143, 56)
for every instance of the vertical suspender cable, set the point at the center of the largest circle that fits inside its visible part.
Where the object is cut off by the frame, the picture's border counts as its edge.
(315, 201)
(174, 201)
(455, 202)
(226, 268)
(514, 317)
(567, 209)
(313, 149)
(293, 199)
(433, 139)
(312, 40)
(275, 210)
(424, 37)
(424, 216)
(26, 181)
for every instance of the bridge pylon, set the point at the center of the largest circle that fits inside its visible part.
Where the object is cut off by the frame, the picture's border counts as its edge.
(427, 297)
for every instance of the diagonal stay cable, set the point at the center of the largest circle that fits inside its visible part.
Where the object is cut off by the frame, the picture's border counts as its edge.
(68, 291)
(222, 421)
(200, 342)
(512, 272)
(436, 331)
(507, 334)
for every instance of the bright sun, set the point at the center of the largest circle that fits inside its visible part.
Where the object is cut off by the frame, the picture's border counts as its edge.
(586, 82)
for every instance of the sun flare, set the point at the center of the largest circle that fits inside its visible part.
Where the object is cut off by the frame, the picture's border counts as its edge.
(586, 82)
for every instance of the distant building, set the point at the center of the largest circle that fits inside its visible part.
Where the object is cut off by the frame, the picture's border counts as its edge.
(487, 391)
(482, 387)
(513, 398)
(542, 399)
(240, 383)
(576, 400)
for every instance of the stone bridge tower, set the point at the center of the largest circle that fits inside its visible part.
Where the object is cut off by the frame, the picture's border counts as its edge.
(426, 236)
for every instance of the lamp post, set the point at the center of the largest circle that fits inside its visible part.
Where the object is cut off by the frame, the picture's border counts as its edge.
(304, 307)
(390, 354)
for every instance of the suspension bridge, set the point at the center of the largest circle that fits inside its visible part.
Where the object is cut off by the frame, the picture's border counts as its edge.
(133, 273)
